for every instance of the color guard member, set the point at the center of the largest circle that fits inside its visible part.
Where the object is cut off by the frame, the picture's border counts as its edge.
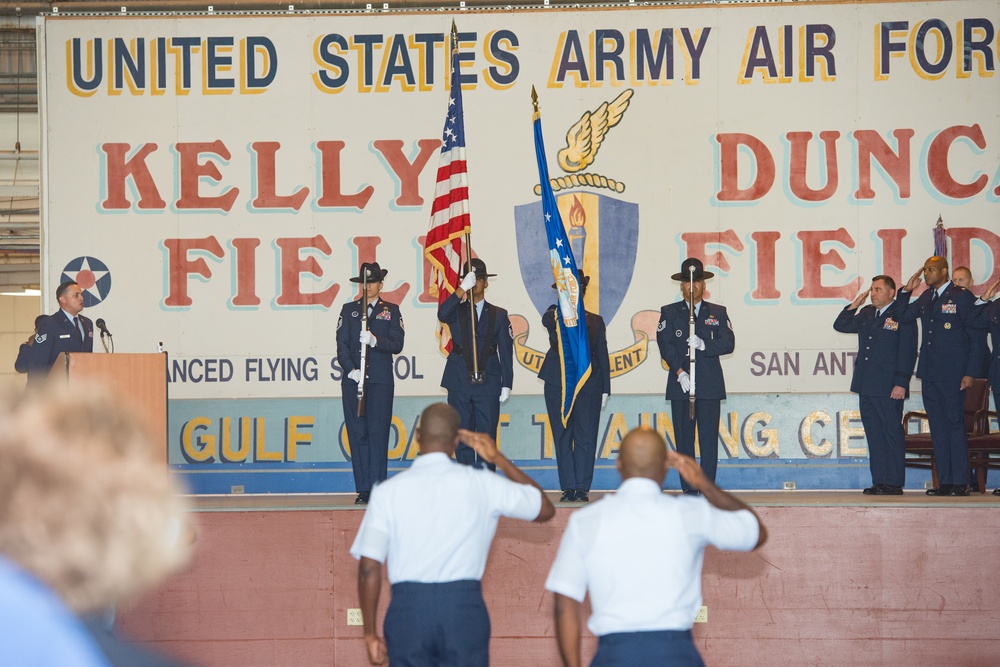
(713, 338)
(368, 434)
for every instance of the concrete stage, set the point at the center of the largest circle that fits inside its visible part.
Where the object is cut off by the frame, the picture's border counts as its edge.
(845, 579)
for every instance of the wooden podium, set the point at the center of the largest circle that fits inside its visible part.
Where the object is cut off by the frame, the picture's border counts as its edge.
(137, 380)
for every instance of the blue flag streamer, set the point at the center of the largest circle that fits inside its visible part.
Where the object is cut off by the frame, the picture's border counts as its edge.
(571, 319)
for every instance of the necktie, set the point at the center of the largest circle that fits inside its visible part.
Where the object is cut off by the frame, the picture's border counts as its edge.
(76, 323)
(934, 297)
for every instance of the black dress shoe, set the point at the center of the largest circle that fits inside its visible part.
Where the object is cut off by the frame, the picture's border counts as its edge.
(582, 496)
(960, 490)
(996, 491)
(692, 492)
(889, 490)
(872, 490)
(360, 500)
(568, 496)
(942, 490)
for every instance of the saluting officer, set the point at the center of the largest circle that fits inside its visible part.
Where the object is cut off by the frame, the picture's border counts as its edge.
(887, 351)
(66, 330)
(477, 399)
(713, 337)
(948, 362)
(369, 434)
(962, 277)
(988, 316)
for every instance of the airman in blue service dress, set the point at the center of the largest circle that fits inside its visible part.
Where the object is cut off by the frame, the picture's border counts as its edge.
(576, 443)
(58, 333)
(713, 338)
(368, 434)
(478, 403)
(887, 351)
(988, 316)
(947, 363)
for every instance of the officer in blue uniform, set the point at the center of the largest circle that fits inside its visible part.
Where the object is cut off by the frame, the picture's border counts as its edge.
(576, 443)
(477, 399)
(887, 352)
(713, 338)
(64, 331)
(24, 351)
(962, 276)
(947, 364)
(988, 316)
(382, 334)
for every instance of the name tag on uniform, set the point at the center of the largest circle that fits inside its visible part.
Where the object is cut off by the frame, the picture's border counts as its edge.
(712, 322)
(890, 325)
(949, 308)
(64, 335)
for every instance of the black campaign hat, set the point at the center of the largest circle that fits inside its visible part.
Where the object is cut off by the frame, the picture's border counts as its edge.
(479, 266)
(581, 278)
(370, 272)
(699, 271)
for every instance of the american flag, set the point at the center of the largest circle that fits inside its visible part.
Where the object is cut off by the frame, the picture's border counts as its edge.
(450, 212)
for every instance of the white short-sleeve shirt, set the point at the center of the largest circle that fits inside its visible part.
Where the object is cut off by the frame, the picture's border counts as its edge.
(435, 522)
(639, 553)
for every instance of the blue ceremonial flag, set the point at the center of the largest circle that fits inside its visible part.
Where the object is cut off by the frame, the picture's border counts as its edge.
(571, 319)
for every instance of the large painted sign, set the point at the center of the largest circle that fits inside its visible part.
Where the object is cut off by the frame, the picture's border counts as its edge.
(213, 182)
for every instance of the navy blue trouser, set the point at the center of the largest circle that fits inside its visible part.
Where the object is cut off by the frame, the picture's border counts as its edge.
(438, 625)
(576, 444)
(944, 403)
(706, 416)
(633, 649)
(882, 418)
(368, 435)
(479, 413)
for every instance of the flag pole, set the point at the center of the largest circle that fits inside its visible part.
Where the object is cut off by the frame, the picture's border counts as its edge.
(475, 376)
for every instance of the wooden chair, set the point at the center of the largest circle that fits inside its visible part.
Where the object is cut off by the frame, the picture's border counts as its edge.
(984, 452)
(920, 449)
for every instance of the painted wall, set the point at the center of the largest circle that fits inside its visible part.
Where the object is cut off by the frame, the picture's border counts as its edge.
(17, 322)
(833, 586)
(214, 181)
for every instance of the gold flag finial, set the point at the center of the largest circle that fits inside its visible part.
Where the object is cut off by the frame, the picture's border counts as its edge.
(454, 36)
(534, 99)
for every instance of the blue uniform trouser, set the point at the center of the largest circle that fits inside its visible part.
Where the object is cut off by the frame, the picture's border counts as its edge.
(479, 413)
(437, 625)
(663, 647)
(576, 444)
(706, 416)
(882, 418)
(368, 435)
(944, 403)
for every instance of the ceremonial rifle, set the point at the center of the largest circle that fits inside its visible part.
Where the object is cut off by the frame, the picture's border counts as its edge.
(475, 375)
(364, 347)
(690, 335)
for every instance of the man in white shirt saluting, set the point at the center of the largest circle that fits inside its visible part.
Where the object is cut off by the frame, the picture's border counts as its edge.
(435, 523)
(639, 554)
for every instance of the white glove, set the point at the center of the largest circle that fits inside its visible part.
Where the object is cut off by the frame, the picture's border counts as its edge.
(469, 281)
(355, 375)
(504, 394)
(685, 381)
(697, 343)
(367, 338)
(604, 401)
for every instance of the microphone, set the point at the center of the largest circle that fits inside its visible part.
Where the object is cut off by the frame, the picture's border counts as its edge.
(103, 327)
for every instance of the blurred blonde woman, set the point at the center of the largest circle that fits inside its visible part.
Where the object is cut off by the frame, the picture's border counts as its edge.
(88, 518)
